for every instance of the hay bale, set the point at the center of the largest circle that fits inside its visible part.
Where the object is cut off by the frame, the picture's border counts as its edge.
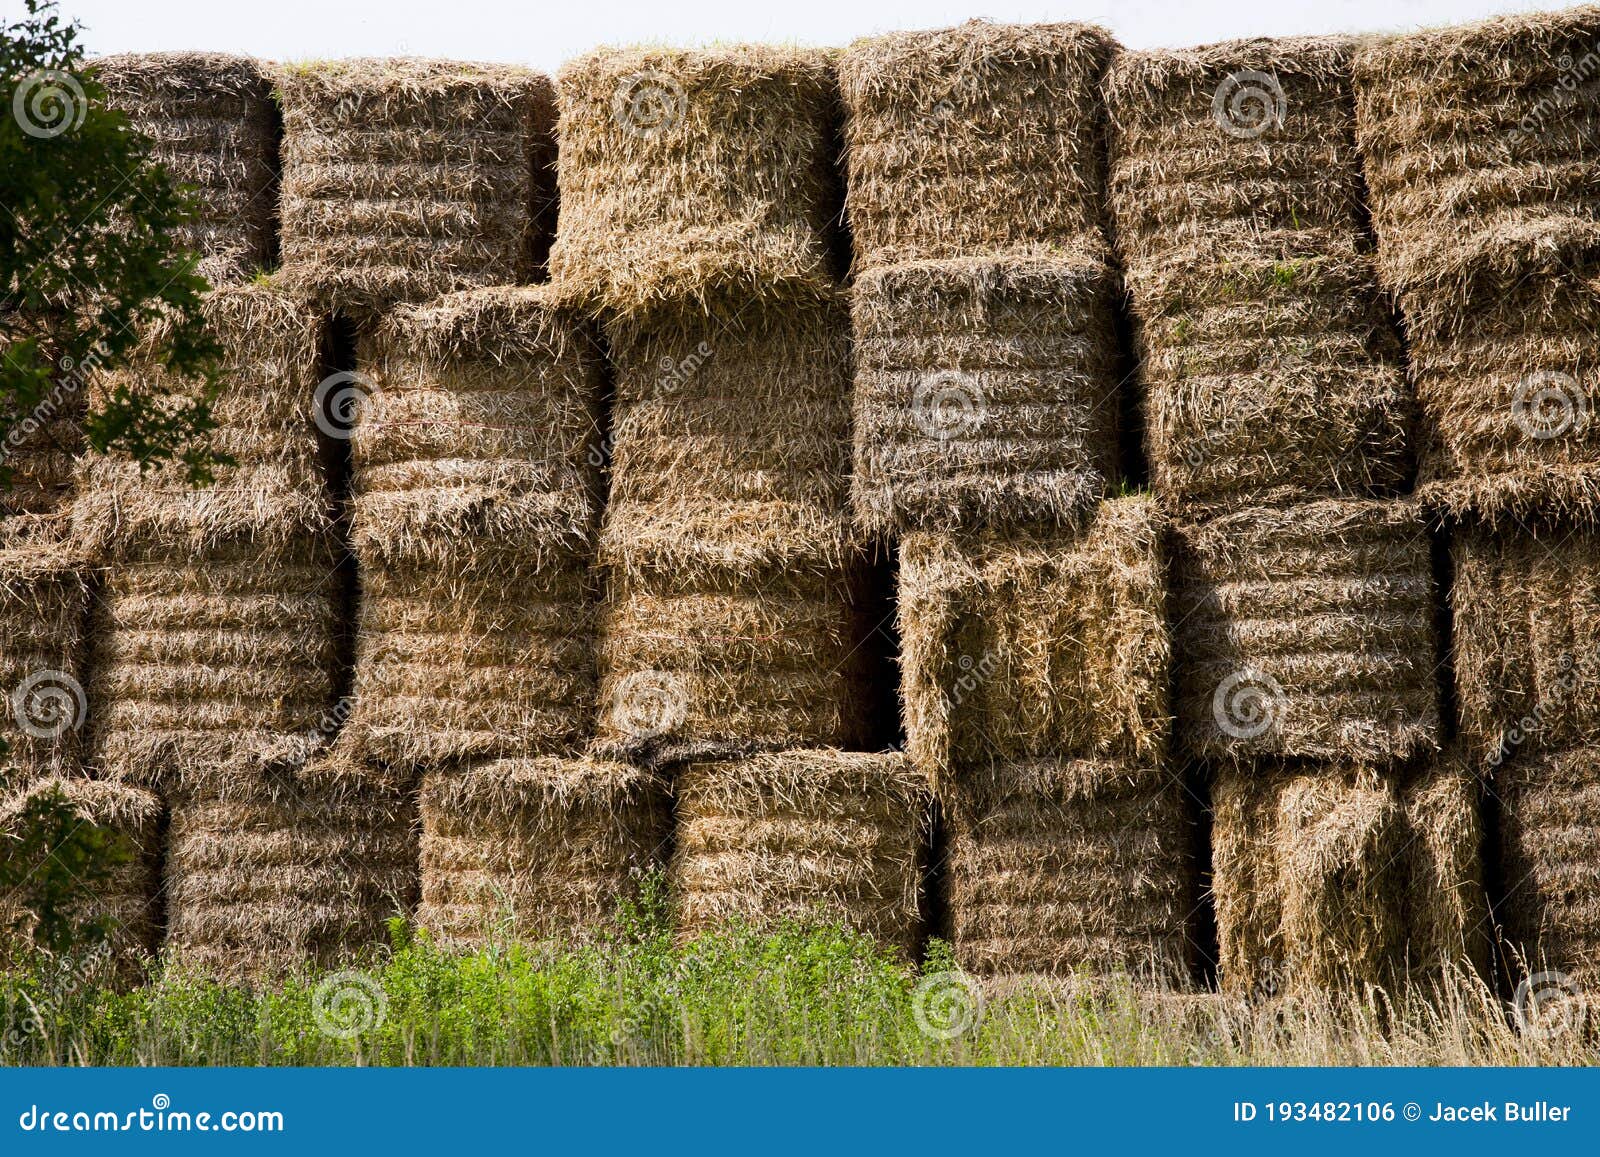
(694, 173)
(1446, 908)
(1526, 606)
(44, 602)
(1044, 647)
(822, 836)
(983, 140)
(536, 848)
(1549, 829)
(201, 659)
(37, 452)
(126, 897)
(273, 492)
(985, 393)
(1270, 364)
(273, 865)
(212, 123)
(405, 179)
(1065, 866)
(481, 664)
(1307, 631)
(479, 427)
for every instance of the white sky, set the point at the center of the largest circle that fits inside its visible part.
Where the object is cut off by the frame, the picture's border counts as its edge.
(543, 33)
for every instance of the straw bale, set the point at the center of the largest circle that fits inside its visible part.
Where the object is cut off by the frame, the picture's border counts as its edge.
(807, 835)
(212, 123)
(1479, 151)
(404, 179)
(478, 430)
(536, 848)
(37, 453)
(1446, 908)
(1550, 860)
(1526, 607)
(274, 490)
(979, 141)
(452, 666)
(44, 603)
(986, 392)
(1050, 646)
(202, 660)
(283, 863)
(689, 173)
(1064, 866)
(126, 896)
(1308, 631)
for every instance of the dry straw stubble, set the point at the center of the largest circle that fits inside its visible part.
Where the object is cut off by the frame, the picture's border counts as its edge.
(44, 600)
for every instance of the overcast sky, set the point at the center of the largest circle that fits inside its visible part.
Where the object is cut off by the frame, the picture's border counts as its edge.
(543, 33)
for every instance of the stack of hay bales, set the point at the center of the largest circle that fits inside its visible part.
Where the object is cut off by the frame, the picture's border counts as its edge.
(43, 608)
(1277, 428)
(404, 179)
(1481, 180)
(986, 386)
(212, 122)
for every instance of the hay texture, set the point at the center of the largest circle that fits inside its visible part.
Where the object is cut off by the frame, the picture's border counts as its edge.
(37, 453)
(1066, 866)
(686, 174)
(1047, 647)
(1270, 364)
(212, 123)
(1307, 631)
(827, 837)
(273, 492)
(532, 849)
(127, 896)
(985, 392)
(1526, 637)
(44, 602)
(1550, 859)
(1325, 876)
(979, 141)
(476, 432)
(280, 864)
(202, 660)
(405, 179)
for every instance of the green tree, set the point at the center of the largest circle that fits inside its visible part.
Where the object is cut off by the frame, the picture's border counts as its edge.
(88, 263)
(52, 865)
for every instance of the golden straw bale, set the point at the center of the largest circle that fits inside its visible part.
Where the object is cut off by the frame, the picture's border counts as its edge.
(404, 179)
(983, 140)
(1017, 648)
(38, 450)
(1071, 866)
(44, 603)
(276, 865)
(985, 393)
(820, 836)
(212, 123)
(536, 848)
(1307, 631)
(1446, 907)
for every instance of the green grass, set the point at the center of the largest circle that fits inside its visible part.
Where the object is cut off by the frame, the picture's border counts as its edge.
(785, 997)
